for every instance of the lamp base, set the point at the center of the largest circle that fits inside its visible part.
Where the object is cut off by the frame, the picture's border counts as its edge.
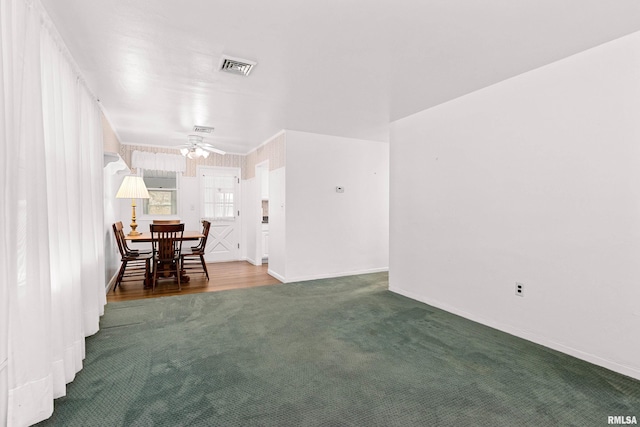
(133, 224)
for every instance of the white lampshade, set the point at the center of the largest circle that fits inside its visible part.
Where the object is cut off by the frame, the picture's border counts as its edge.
(132, 188)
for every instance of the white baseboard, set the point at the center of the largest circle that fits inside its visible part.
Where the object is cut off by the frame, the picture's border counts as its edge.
(252, 261)
(332, 275)
(276, 275)
(544, 341)
(110, 283)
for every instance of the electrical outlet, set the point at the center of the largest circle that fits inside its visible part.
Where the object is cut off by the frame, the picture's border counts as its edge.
(519, 289)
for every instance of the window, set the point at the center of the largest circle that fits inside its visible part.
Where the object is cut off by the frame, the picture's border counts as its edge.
(218, 200)
(163, 193)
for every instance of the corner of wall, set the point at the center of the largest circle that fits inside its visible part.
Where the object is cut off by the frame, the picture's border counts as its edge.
(528, 181)
(110, 139)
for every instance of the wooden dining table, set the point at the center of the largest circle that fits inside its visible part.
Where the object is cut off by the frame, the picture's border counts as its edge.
(186, 236)
(146, 237)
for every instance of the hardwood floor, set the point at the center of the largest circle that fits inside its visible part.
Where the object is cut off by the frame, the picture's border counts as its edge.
(224, 276)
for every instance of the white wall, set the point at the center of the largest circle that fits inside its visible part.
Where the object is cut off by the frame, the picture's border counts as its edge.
(249, 216)
(189, 204)
(330, 234)
(533, 180)
(114, 171)
(277, 224)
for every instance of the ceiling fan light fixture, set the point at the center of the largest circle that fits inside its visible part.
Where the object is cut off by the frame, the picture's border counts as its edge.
(195, 148)
(201, 153)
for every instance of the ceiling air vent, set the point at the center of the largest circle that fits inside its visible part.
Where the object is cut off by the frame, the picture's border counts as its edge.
(202, 129)
(236, 65)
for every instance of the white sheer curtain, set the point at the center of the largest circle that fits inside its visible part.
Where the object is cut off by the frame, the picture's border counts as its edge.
(51, 251)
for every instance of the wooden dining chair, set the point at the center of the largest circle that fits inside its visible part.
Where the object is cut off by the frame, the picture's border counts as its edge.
(166, 221)
(129, 250)
(166, 242)
(135, 266)
(194, 259)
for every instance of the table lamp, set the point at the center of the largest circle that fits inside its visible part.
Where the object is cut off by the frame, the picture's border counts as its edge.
(133, 188)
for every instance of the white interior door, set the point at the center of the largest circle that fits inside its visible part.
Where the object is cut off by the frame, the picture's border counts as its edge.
(220, 202)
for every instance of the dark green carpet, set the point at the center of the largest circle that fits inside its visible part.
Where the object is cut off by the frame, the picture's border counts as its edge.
(335, 352)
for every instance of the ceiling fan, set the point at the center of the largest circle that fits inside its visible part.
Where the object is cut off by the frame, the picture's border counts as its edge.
(196, 148)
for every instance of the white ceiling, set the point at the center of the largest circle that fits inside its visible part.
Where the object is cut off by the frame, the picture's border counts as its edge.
(338, 67)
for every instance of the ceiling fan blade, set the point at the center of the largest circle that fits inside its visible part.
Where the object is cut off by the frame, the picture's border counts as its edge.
(212, 149)
(206, 144)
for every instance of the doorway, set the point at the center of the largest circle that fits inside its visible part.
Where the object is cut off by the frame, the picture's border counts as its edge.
(262, 203)
(219, 198)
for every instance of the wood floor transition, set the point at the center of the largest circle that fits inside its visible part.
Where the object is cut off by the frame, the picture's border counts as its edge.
(223, 276)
